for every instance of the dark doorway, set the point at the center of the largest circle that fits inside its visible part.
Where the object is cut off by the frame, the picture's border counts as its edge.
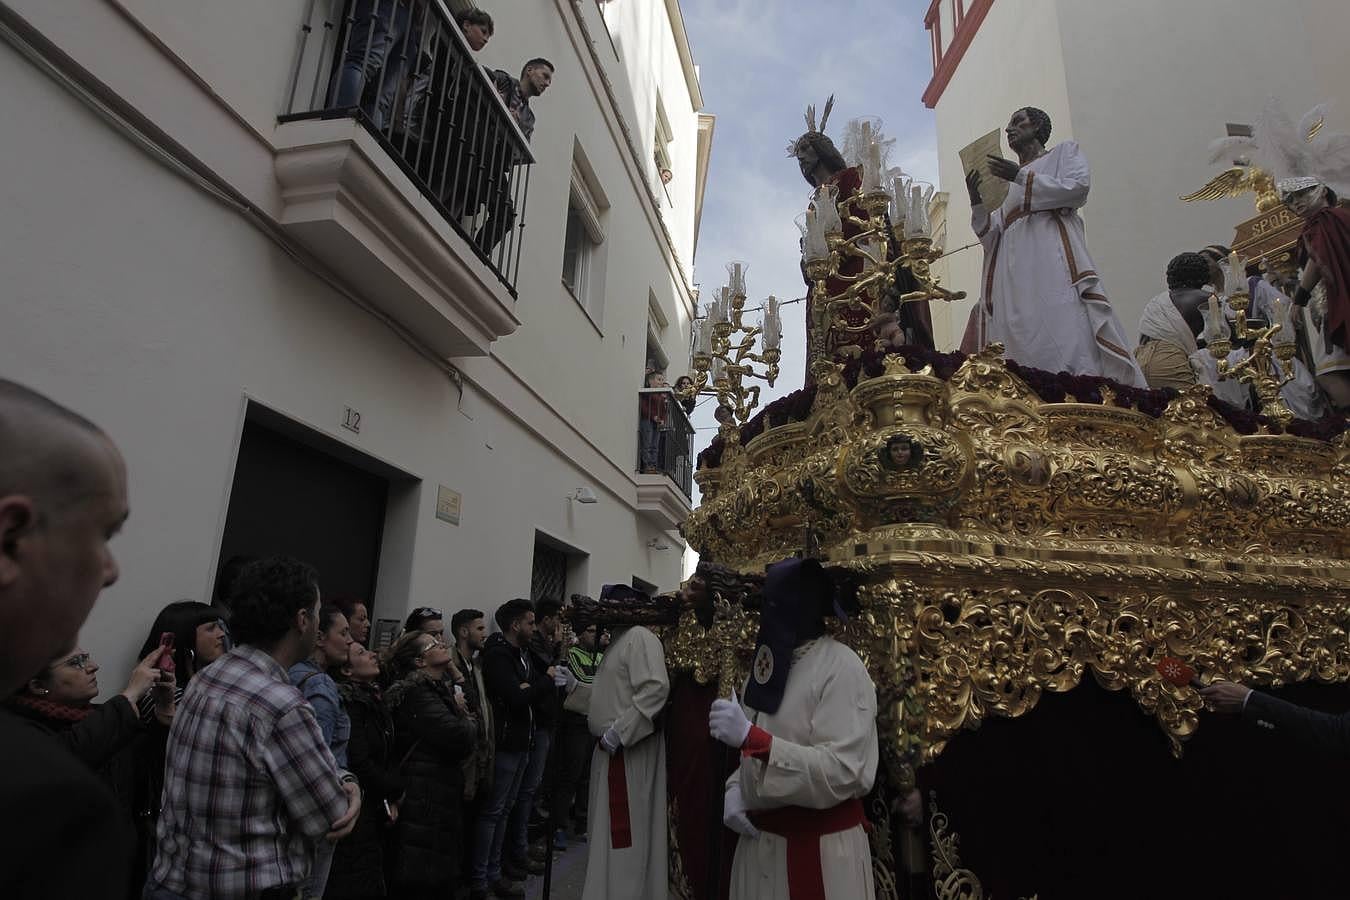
(294, 499)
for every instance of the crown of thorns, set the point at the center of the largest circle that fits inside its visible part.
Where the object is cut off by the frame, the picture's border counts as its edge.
(811, 129)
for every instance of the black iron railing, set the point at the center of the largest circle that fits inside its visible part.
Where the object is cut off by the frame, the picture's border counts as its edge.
(403, 70)
(665, 438)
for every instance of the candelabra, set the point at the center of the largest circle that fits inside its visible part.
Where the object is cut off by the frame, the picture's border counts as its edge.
(891, 232)
(1275, 341)
(724, 350)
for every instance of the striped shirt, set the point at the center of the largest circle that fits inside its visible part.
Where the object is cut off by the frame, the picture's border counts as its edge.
(583, 663)
(250, 787)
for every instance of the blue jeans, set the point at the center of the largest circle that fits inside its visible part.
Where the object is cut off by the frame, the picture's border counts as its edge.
(518, 828)
(650, 436)
(382, 43)
(489, 832)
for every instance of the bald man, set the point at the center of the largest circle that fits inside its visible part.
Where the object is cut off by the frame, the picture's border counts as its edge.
(63, 496)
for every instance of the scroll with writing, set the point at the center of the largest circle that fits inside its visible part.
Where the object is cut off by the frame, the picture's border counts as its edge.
(975, 156)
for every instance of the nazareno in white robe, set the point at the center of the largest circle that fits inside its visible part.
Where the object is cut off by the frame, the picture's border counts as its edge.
(1040, 294)
(824, 752)
(630, 690)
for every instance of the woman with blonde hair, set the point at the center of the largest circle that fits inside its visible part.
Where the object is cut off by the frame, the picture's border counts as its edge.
(434, 735)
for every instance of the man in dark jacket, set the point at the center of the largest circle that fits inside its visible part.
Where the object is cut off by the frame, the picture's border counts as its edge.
(545, 649)
(63, 496)
(1327, 732)
(514, 685)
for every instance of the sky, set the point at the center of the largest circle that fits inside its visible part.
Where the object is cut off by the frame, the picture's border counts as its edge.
(761, 62)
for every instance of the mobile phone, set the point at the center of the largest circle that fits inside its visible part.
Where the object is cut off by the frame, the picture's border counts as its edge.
(165, 663)
(459, 690)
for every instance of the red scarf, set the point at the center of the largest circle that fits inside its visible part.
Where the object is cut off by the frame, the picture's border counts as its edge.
(1327, 237)
(56, 711)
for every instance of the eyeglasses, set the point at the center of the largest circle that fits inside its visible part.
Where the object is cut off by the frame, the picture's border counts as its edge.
(79, 661)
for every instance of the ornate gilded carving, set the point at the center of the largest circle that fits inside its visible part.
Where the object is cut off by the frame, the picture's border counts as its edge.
(950, 880)
(1009, 547)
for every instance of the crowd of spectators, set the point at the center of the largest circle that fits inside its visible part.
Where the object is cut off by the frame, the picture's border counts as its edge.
(258, 749)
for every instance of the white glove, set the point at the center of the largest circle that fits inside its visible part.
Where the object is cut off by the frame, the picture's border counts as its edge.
(734, 814)
(727, 722)
(610, 741)
(560, 676)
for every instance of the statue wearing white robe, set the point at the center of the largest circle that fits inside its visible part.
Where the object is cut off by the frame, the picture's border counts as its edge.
(1040, 293)
(824, 753)
(627, 860)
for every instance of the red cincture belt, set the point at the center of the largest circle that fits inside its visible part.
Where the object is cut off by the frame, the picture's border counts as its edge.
(803, 829)
(620, 825)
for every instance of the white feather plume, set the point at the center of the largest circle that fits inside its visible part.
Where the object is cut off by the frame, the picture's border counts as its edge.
(1283, 149)
(1227, 149)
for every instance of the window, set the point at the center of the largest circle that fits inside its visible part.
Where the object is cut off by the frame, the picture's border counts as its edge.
(661, 148)
(583, 263)
(577, 246)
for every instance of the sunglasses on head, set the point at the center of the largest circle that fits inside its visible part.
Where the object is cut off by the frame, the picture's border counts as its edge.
(436, 643)
(427, 612)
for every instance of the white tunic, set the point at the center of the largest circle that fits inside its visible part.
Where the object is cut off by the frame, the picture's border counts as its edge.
(1040, 293)
(824, 752)
(630, 690)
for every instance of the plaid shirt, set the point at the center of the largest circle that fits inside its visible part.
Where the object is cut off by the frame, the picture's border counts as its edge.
(250, 787)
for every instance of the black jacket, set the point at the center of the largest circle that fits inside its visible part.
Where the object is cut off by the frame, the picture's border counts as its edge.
(432, 741)
(358, 860)
(548, 705)
(121, 748)
(505, 669)
(1327, 732)
(73, 841)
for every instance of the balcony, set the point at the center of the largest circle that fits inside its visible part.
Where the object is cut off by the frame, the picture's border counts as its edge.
(402, 169)
(665, 457)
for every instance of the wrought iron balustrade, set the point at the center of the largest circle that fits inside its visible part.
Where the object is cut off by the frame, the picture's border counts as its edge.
(403, 69)
(665, 438)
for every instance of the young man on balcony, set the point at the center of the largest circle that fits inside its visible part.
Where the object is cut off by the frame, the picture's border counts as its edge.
(534, 79)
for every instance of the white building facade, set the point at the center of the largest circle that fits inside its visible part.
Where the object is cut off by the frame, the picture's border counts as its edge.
(288, 329)
(1144, 87)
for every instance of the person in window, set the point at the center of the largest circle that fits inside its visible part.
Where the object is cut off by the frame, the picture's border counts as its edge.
(59, 700)
(652, 418)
